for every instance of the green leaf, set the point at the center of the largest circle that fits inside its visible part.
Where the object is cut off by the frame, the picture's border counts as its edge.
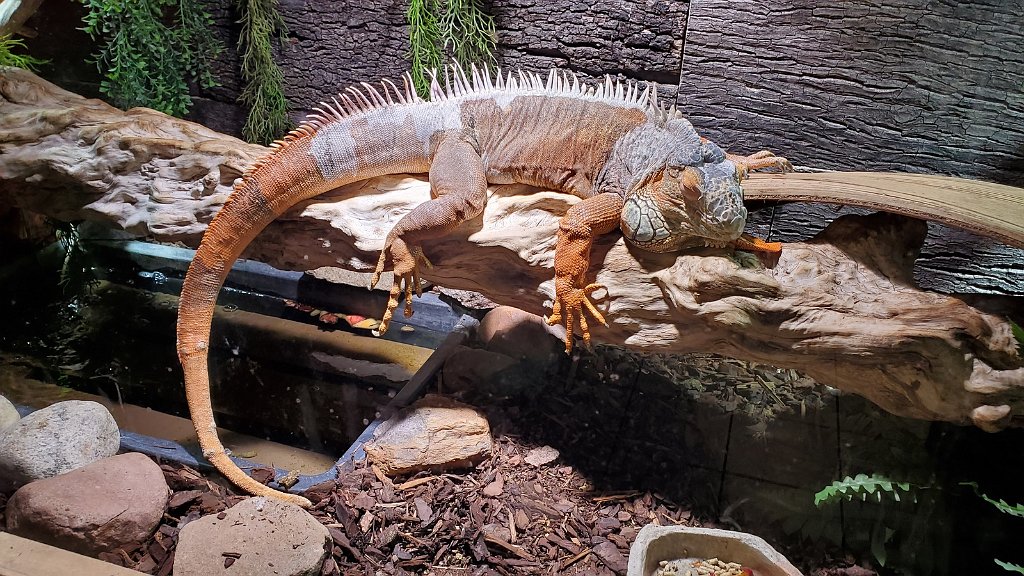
(9, 58)
(1010, 567)
(1018, 333)
(149, 49)
(878, 545)
(1001, 505)
(861, 485)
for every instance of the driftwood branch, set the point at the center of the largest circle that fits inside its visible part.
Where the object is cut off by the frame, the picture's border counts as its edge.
(841, 308)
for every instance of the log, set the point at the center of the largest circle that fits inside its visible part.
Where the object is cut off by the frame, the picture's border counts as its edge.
(842, 308)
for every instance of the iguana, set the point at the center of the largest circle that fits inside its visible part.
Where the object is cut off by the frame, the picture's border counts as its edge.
(636, 165)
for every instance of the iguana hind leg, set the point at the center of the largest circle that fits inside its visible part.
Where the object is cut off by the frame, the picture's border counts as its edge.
(458, 186)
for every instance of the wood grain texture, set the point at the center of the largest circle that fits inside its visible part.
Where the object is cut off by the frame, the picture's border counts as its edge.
(635, 40)
(332, 45)
(904, 85)
(952, 260)
(992, 210)
(842, 307)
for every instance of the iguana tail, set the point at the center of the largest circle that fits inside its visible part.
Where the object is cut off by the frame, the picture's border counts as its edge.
(322, 154)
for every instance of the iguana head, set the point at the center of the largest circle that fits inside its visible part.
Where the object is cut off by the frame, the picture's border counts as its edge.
(682, 191)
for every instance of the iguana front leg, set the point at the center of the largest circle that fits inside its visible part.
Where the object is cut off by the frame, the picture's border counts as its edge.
(589, 218)
(758, 161)
(745, 165)
(458, 186)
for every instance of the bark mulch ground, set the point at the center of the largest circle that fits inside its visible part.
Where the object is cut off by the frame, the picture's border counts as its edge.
(506, 516)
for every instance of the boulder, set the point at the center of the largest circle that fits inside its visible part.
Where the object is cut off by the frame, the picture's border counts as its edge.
(256, 536)
(55, 440)
(9, 415)
(521, 335)
(435, 433)
(113, 502)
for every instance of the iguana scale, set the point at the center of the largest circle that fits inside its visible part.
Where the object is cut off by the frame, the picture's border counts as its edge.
(636, 166)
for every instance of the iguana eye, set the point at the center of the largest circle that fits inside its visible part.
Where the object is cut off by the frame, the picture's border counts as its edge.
(674, 172)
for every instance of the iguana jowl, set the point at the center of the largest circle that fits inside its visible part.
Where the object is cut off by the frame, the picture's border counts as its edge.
(636, 166)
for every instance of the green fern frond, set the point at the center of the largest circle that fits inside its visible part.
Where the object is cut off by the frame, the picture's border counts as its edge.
(1009, 567)
(863, 486)
(1001, 505)
(9, 58)
(263, 94)
(424, 43)
(442, 29)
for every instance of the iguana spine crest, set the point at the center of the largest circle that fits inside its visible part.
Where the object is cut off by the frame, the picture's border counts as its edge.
(365, 98)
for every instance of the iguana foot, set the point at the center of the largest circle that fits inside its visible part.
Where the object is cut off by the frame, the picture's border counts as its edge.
(405, 264)
(754, 244)
(570, 302)
(758, 161)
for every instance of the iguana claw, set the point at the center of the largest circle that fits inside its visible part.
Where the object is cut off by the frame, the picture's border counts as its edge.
(571, 301)
(405, 262)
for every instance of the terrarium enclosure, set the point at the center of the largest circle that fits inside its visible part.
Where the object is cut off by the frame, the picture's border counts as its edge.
(853, 403)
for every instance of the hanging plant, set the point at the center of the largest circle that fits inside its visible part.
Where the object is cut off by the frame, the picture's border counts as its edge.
(263, 94)
(443, 29)
(9, 58)
(150, 51)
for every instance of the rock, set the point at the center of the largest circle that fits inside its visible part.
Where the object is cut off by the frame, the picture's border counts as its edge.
(541, 456)
(434, 433)
(55, 440)
(519, 334)
(473, 369)
(256, 536)
(9, 415)
(113, 502)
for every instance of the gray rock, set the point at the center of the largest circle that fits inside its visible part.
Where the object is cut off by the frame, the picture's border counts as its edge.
(8, 414)
(113, 502)
(55, 440)
(261, 535)
(435, 433)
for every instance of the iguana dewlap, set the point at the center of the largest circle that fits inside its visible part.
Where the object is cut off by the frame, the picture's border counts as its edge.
(637, 167)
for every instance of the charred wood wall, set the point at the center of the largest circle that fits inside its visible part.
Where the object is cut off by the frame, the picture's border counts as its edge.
(933, 86)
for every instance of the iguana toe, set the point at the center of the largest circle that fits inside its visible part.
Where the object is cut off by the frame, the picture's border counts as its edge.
(569, 306)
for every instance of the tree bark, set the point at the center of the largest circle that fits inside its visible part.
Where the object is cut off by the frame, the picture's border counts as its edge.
(841, 308)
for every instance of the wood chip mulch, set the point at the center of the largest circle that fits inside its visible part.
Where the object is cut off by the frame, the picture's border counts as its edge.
(506, 516)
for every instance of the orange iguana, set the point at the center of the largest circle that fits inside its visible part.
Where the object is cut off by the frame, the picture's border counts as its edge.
(637, 166)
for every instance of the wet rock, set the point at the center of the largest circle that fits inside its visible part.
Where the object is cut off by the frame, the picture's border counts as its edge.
(55, 440)
(434, 433)
(473, 369)
(8, 414)
(520, 335)
(256, 536)
(114, 502)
